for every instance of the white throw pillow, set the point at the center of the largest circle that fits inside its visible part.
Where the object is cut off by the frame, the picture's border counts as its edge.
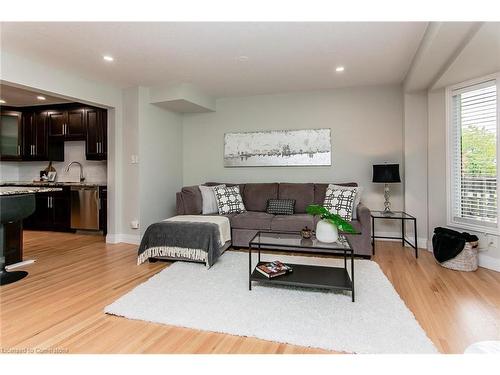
(209, 202)
(229, 200)
(340, 200)
(357, 200)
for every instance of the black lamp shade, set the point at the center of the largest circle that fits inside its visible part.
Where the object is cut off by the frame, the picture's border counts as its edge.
(386, 173)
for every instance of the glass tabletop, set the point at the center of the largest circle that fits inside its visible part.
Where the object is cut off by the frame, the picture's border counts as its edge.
(392, 215)
(295, 240)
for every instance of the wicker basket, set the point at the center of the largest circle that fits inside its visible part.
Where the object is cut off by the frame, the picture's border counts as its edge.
(467, 260)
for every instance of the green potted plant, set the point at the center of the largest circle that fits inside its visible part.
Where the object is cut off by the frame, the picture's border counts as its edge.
(327, 229)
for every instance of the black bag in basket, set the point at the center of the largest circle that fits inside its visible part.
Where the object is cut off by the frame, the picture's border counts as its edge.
(447, 243)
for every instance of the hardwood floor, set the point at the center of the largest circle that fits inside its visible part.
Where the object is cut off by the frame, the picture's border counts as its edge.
(60, 304)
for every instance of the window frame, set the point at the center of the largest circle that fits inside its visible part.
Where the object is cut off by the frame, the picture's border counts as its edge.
(487, 229)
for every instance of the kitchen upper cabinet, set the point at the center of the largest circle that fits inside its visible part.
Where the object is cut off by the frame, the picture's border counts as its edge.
(96, 134)
(75, 126)
(56, 122)
(37, 145)
(67, 124)
(10, 135)
(35, 139)
(38, 133)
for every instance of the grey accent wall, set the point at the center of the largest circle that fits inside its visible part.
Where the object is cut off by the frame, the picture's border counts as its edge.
(366, 124)
(160, 152)
(130, 176)
(415, 152)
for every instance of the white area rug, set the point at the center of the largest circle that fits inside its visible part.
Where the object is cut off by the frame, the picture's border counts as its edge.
(218, 299)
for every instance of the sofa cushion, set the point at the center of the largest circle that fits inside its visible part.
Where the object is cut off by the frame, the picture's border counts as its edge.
(320, 191)
(340, 200)
(280, 206)
(191, 198)
(255, 196)
(229, 199)
(251, 220)
(303, 194)
(292, 222)
(208, 200)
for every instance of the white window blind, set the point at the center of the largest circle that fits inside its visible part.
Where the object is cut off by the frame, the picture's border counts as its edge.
(474, 155)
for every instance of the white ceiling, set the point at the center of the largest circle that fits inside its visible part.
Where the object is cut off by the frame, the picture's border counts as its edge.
(480, 57)
(281, 56)
(18, 97)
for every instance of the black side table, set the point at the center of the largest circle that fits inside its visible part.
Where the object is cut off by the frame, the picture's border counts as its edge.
(396, 215)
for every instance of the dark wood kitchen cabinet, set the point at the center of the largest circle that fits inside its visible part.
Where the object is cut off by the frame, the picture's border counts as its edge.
(97, 134)
(35, 140)
(103, 209)
(38, 133)
(10, 135)
(56, 121)
(68, 124)
(36, 143)
(52, 211)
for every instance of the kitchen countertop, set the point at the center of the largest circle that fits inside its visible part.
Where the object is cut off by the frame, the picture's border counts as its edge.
(46, 183)
(17, 190)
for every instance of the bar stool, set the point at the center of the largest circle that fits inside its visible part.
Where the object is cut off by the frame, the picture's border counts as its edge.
(12, 208)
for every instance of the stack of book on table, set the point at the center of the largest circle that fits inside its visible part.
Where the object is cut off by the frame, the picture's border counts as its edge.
(273, 269)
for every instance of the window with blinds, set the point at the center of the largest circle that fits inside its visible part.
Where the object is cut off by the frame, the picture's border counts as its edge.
(474, 131)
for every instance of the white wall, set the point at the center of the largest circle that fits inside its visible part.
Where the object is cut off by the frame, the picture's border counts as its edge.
(130, 179)
(415, 163)
(366, 126)
(160, 153)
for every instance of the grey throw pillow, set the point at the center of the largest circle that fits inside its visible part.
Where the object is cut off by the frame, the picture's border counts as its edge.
(209, 202)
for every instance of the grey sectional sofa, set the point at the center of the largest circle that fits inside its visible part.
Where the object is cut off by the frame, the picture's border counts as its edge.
(255, 197)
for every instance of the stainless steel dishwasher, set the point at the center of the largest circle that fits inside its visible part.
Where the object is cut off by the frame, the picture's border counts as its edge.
(85, 207)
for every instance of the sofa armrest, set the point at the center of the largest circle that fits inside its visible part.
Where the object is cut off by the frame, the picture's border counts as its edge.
(364, 218)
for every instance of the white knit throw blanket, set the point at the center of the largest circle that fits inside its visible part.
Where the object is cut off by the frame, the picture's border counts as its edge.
(192, 254)
(221, 221)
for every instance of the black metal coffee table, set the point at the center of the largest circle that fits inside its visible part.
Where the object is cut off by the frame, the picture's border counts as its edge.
(303, 275)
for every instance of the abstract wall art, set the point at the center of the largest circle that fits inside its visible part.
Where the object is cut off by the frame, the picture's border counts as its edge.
(274, 148)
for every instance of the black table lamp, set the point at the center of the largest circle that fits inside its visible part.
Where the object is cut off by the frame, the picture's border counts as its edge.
(386, 174)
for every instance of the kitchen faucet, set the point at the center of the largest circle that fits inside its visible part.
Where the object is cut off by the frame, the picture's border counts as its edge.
(81, 169)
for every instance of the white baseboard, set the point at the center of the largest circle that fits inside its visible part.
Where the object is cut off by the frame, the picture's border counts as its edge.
(134, 239)
(491, 263)
(422, 242)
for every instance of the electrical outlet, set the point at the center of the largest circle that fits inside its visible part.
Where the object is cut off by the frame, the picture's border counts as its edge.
(134, 224)
(492, 241)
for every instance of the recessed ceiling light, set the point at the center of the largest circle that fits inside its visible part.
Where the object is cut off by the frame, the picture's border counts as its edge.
(339, 69)
(2, 101)
(242, 58)
(40, 97)
(108, 58)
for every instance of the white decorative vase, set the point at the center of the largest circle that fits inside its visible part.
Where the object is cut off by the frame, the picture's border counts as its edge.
(326, 232)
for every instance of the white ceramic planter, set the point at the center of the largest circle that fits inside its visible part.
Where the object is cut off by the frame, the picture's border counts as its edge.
(326, 232)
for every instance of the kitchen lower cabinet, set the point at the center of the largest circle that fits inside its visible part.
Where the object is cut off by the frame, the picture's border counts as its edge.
(52, 212)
